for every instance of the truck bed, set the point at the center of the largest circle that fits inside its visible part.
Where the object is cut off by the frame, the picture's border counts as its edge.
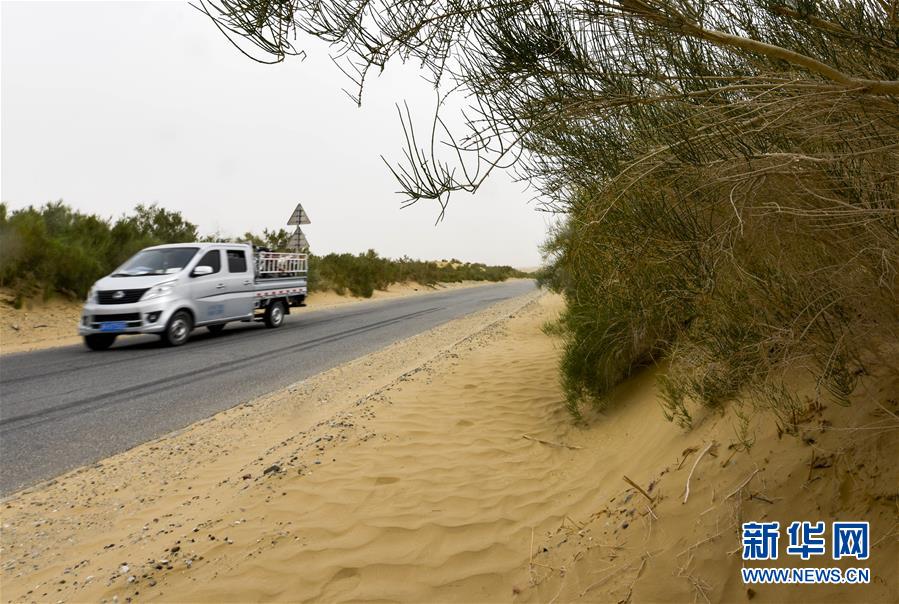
(284, 285)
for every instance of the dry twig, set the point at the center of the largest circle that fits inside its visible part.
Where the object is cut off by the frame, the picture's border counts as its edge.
(550, 443)
(693, 469)
(639, 488)
(742, 484)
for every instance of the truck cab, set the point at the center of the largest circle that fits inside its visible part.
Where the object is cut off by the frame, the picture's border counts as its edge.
(171, 289)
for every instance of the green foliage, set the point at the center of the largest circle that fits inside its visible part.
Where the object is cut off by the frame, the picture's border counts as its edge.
(632, 281)
(276, 241)
(362, 274)
(54, 248)
(726, 169)
(733, 304)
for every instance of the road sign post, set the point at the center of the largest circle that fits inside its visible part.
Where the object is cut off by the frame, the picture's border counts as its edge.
(298, 240)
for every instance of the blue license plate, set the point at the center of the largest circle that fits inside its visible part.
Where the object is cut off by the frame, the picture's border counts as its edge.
(113, 326)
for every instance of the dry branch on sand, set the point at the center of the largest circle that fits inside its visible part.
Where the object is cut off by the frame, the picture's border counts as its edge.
(693, 469)
(742, 484)
(639, 488)
(550, 443)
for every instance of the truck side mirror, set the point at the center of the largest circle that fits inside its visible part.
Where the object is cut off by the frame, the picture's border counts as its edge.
(202, 270)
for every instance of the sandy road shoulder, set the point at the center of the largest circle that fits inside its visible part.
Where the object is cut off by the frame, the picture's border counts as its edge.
(131, 502)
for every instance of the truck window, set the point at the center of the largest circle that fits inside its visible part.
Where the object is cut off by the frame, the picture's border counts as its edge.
(237, 261)
(156, 261)
(212, 258)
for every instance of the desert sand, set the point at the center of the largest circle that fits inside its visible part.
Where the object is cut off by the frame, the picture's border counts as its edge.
(39, 325)
(444, 468)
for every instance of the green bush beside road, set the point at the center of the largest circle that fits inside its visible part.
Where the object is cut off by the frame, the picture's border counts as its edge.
(54, 249)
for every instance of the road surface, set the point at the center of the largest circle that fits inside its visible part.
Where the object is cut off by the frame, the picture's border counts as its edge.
(63, 408)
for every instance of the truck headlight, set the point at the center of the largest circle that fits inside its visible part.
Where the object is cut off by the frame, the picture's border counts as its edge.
(91, 296)
(158, 291)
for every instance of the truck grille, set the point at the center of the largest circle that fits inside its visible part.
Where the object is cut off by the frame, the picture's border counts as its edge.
(125, 316)
(128, 296)
(131, 319)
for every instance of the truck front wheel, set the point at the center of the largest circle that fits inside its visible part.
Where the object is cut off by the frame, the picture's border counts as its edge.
(99, 341)
(178, 329)
(274, 314)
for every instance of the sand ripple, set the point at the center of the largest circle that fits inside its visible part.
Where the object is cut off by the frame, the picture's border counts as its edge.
(439, 503)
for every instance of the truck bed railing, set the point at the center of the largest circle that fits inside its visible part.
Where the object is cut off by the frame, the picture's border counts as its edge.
(279, 264)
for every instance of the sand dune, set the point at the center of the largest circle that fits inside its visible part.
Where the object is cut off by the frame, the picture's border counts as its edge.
(459, 478)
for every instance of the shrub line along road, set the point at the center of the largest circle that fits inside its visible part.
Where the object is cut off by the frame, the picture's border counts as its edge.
(63, 408)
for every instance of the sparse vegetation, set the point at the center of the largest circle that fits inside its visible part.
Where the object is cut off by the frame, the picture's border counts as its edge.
(362, 274)
(727, 172)
(54, 249)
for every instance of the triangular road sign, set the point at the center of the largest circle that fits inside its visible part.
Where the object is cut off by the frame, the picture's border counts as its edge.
(298, 240)
(299, 216)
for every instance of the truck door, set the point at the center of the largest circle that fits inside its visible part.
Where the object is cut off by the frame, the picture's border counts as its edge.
(239, 284)
(210, 291)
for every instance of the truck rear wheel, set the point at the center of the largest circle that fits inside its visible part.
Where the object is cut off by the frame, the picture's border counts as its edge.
(274, 314)
(178, 329)
(99, 341)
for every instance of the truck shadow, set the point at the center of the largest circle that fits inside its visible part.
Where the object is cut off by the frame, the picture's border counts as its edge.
(199, 337)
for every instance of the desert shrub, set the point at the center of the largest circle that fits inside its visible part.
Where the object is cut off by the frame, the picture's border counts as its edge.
(362, 274)
(734, 301)
(54, 248)
(725, 171)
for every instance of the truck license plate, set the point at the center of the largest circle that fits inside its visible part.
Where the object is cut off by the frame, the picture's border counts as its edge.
(112, 326)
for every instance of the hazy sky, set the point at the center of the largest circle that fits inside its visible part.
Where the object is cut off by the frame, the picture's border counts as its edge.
(109, 104)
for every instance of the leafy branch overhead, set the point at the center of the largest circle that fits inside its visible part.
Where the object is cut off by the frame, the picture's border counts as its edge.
(727, 171)
(532, 72)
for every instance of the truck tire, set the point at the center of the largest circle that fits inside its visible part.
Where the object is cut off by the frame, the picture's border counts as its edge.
(99, 341)
(178, 329)
(216, 328)
(274, 314)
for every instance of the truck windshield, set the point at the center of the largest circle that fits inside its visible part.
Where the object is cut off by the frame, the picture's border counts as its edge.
(163, 261)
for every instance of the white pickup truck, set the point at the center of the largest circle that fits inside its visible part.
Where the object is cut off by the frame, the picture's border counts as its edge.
(169, 290)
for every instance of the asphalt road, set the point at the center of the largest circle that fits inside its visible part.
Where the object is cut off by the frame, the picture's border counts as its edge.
(63, 408)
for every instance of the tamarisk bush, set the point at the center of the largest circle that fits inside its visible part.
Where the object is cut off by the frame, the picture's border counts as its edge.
(725, 172)
(54, 249)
